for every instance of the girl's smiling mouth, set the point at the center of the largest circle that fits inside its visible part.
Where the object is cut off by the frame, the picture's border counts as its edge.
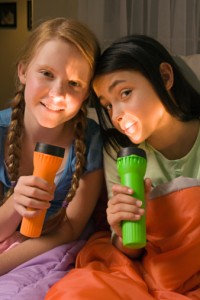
(52, 107)
(128, 125)
(129, 128)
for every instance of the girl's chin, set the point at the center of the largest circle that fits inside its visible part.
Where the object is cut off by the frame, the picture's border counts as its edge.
(48, 124)
(135, 139)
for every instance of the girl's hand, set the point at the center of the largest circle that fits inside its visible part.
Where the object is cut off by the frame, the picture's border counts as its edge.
(123, 206)
(32, 192)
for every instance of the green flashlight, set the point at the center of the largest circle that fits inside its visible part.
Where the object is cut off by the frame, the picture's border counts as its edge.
(131, 166)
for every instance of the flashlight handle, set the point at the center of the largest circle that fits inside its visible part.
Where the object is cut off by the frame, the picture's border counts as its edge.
(134, 232)
(45, 166)
(131, 165)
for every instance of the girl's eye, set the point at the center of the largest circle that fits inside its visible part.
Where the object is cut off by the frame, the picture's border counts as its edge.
(125, 93)
(74, 83)
(47, 74)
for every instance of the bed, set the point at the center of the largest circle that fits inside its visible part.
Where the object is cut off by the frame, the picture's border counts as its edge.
(33, 279)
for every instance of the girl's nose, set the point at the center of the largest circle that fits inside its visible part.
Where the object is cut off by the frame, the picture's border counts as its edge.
(119, 119)
(117, 115)
(58, 90)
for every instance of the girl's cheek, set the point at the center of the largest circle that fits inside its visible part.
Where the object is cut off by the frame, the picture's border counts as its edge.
(34, 86)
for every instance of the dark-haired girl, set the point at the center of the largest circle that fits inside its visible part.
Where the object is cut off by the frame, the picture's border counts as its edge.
(143, 99)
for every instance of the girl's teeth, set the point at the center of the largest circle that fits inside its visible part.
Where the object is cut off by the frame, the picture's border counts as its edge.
(53, 108)
(130, 129)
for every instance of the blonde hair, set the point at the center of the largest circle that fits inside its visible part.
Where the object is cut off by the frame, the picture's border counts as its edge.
(79, 35)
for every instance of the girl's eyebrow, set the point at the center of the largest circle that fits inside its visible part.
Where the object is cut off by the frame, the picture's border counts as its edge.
(112, 86)
(116, 82)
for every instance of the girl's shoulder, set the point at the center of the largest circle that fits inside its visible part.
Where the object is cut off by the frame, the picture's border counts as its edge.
(93, 132)
(92, 124)
(94, 146)
(5, 117)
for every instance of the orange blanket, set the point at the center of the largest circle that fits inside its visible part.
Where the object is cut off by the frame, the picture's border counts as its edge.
(170, 268)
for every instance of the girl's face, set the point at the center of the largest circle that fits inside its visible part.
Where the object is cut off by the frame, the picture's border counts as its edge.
(133, 105)
(56, 83)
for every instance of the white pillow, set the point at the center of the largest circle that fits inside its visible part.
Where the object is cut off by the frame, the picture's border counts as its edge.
(190, 66)
(193, 61)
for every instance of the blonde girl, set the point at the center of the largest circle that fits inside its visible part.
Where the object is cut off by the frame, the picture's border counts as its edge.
(54, 72)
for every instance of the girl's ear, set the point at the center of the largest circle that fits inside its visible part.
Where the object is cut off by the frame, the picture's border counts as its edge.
(21, 73)
(167, 75)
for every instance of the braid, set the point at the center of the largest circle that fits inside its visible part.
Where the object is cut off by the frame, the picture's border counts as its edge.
(80, 149)
(14, 138)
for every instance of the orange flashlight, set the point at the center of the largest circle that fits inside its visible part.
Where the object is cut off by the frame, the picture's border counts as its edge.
(46, 161)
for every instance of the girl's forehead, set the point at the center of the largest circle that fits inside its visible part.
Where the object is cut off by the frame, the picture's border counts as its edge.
(118, 75)
(108, 82)
(52, 46)
(59, 51)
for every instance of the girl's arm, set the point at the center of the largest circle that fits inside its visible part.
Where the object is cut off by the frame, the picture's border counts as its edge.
(9, 218)
(133, 253)
(78, 213)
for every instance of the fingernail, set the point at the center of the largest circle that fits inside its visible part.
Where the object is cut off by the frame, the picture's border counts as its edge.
(137, 217)
(139, 203)
(141, 211)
